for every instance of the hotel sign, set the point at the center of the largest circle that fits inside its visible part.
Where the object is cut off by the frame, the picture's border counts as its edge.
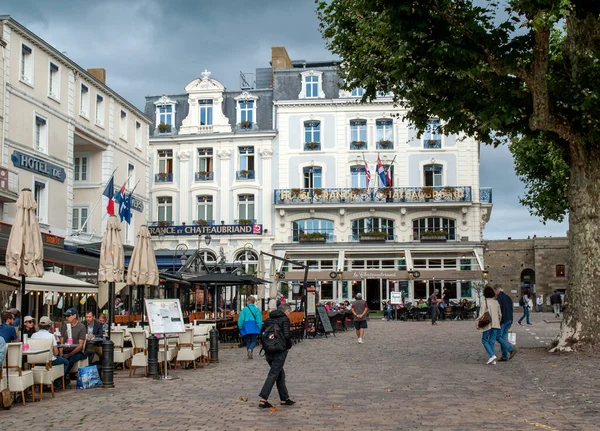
(224, 229)
(38, 166)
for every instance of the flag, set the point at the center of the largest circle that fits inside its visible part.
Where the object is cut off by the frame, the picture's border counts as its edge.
(381, 172)
(109, 192)
(125, 209)
(367, 173)
(120, 199)
(388, 177)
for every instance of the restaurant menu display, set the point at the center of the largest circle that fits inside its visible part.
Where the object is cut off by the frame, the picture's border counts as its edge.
(322, 313)
(164, 316)
(395, 297)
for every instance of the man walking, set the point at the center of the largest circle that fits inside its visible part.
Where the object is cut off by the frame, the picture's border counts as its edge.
(434, 306)
(359, 310)
(539, 302)
(506, 308)
(556, 302)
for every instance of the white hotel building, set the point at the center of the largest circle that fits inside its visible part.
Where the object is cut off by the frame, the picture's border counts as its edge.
(297, 169)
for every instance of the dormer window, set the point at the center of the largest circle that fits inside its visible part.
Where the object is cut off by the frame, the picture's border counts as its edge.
(312, 85)
(246, 110)
(358, 92)
(165, 114)
(206, 112)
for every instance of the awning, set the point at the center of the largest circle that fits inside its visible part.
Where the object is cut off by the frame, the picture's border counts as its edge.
(227, 279)
(50, 282)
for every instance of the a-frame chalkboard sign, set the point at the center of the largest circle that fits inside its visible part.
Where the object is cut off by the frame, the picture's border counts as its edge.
(323, 323)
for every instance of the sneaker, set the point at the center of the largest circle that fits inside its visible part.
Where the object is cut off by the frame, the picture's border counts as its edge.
(503, 360)
(512, 354)
(529, 324)
(493, 363)
(249, 354)
(520, 323)
(492, 359)
(383, 318)
(360, 340)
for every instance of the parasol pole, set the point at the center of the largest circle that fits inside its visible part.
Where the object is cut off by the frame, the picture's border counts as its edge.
(22, 305)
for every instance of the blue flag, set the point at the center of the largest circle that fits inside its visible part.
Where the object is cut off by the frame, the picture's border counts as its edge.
(125, 209)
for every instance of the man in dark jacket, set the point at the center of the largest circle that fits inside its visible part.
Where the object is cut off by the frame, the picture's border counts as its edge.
(276, 361)
(556, 302)
(506, 308)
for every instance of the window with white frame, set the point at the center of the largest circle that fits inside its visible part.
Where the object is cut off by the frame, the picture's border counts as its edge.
(165, 117)
(312, 177)
(80, 216)
(205, 208)
(123, 126)
(432, 137)
(165, 161)
(205, 160)
(358, 176)
(246, 108)
(312, 85)
(100, 110)
(26, 73)
(312, 135)
(246, 207)
(40, 138)
(40, 194)
(385, 136)
(54, 81)
(130, 176)
(433, 175)
(444, 225)
(358, 92)
(165, 208)
(312, 225)
(206, 112)
(358, 134)
(138, 134)
(246, 158)
(81, 166)
(248, 260)
(84, 100)
(372, 224)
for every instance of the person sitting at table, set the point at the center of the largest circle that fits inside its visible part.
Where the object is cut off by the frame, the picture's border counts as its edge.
(29, 326)
(7, 329)
(119, 306)
(93, 330)
(421, 303)
(387, 310)
(44, 333)
(78, 333)
(103, 321)
(17, 321)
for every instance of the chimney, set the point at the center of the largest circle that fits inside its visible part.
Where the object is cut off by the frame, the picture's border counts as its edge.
(279, 59)
(99, 74)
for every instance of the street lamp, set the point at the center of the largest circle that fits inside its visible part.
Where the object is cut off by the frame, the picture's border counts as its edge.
(413, 274)
(339, 274)
(207, 239)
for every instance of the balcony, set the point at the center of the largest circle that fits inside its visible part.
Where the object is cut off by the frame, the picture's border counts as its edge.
(162, 223)
(432, 143)
(244, 174)
(9, 185)
(385, 145)
(485, 195)
(312, 237)
(204, 176)
(312, 146)
(204, 222)
(373, 236)
(163, 177)
(361, 196)
(245, 221)
(358, 145)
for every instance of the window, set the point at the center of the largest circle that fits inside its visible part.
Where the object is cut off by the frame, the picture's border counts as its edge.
(165, 208)
(312, 85)
(358, 134)
(205, 208)
(246, 108)
(123, 126)
(206, 108)
(130, 176)
(465, 264)
(433, 175)
(435, 224)
(80, 216)
(99, 110)
(560, 270)
(432, 138)
(246, 158)
(307, 226)
(358, 177)
(205, 160)
(246, 207)
(81, 168)
(165, 117)
(465, 289)
(249, 261)
(385, 136)
(84, 101)
(40, 142)
(312, 177)
(312, 136)
(165, 161)
(40, 194)
(26, 74)
(372, 224)
(138, 134)
(54, 81)
(358, 92)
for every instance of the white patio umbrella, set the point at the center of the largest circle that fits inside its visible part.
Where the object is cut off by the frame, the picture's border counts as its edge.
(24, 251)
(143, 270)
(112, 262)
(260, 272)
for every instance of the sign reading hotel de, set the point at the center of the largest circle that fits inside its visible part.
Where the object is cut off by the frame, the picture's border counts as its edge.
(224, 229)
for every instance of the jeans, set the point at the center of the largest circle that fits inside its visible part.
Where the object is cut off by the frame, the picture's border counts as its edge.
(73, 359)
(388, 314)
(276, 375)
(434, 313)
(502, 338)
(525, 315)
(556, 308)
(488, 339)
(61, 361)
(250, 341)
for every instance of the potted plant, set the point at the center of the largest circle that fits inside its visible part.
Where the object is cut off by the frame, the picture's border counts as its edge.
(428, 192)
(162, 127)
(163, 175)
(358, 144)
(385, 143)
(317, 192)
(357, 191)
(295, 193)
(313, 237)
(313, 145)
(244, 172)
(163, 223)
(246, 124)
(434, 235)
(202, 173)
(201, 223)
(244, 221)
(449, 189)
(375, 235)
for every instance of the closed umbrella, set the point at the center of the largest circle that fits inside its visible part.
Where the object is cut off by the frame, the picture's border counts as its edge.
(112, 262)
(143, 270)
(24, 251)
(260, 272)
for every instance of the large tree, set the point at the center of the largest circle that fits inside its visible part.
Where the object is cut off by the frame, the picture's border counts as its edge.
(519, 71)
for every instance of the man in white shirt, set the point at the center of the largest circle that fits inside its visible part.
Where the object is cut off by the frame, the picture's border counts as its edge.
(539, 302)
(44, 333)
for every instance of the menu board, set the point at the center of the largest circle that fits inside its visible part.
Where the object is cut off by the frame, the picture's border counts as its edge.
(395, 297)
(322, 313)
(164, 316)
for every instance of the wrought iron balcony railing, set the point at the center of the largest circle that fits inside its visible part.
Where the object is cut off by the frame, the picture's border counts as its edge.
(244, 175)
(163, 177)
(204, 176)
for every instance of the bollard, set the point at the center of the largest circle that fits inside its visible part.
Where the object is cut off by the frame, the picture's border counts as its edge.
(214, 344)
(108, 364)
(153, 356)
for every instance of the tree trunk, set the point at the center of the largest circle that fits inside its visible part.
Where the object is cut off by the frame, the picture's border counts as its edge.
(581, 323)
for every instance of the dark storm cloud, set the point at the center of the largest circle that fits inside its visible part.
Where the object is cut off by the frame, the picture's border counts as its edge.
(150, 47)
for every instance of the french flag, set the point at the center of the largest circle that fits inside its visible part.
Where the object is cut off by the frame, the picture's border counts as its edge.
(367, 174)
(383, 178)
(109, 192)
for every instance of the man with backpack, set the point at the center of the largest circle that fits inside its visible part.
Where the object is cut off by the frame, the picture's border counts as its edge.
(276, 341)
(556, 302)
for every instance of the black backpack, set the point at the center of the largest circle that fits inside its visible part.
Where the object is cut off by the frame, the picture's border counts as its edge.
(273, 339)
(521, 302)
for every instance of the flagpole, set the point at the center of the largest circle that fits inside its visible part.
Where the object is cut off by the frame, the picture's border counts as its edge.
(96, 204)
(367, 175)
(389, 166)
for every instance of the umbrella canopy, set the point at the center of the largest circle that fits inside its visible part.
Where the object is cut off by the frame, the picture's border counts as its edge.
(227, 279)
(261, 274)
(24, 251)
(143, 269)
(112, 257)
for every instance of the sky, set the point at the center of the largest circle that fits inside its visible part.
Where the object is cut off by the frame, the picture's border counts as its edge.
(151, 47)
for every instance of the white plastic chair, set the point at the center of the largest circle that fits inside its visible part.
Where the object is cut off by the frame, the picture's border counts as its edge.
(18, 379)
(187, 349)
(121, 354)
(140, 351)
(43, 371)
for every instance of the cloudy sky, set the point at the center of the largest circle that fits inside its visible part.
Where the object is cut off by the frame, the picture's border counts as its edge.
(151, 47)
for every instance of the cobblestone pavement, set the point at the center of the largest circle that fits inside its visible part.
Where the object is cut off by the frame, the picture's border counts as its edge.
(406, 376)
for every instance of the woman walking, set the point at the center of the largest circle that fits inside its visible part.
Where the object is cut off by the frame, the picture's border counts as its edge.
(527, 306)
(491, 332)
(250, 331)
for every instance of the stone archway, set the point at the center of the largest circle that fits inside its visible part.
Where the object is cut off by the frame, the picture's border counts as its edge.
(527, 281)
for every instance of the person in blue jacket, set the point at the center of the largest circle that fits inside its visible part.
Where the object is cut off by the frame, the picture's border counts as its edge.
(250, 312)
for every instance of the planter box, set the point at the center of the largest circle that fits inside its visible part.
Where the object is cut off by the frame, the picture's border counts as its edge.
(372, 239)
(312, 239)
(434, 239)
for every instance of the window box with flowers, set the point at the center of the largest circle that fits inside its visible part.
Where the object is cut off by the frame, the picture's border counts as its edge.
(375, 235)
(295, 193)
(246, 124)
(385, 144)
(434, 236)
(358, 145)
(244, 221)
(164, 128)
(201, 223)
(358, 191)
(317, 193)
(312, 146)
(313, 237)
(163, 223)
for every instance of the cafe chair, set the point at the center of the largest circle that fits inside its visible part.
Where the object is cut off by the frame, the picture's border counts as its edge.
(41, 365)
(188, 351)
(18, 380)
(140, 352)
(122, 355)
